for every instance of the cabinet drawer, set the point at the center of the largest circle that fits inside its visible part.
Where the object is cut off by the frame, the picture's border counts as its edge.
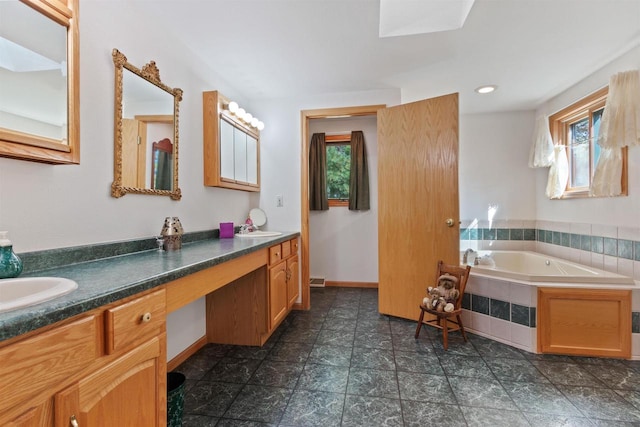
(275, 254)
(294, 246)
(46, 360)
(136, 320)
(286, 249)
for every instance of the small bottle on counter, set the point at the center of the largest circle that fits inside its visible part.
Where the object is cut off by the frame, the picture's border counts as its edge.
(10, 263)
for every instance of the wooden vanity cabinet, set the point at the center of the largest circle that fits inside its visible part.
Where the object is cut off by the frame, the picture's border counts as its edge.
(126, 392)
(73, 371)
(284, 281)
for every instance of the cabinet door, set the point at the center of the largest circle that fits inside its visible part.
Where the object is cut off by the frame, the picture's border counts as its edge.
(36, 416)
(277, 294)
(252, 160)
(227, 159)
(240, 154)
(129, 392)
(293, 280)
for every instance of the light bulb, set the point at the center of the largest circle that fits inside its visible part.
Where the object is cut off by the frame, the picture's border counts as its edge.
(247, 118)
(260, 125)
(254, 122)
(240, 112)
(233, 107)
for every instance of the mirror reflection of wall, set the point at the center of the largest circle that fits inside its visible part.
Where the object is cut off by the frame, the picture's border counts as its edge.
(33, 72)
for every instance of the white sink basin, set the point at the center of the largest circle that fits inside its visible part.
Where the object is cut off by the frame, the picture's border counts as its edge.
(16, 293)
(260, 234)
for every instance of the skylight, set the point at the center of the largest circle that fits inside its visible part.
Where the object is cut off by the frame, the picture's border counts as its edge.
(406, 17)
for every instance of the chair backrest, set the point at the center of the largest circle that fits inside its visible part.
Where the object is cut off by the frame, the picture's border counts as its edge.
(461, 273)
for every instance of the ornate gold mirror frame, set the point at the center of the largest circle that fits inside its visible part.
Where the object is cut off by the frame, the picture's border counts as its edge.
(151, 74)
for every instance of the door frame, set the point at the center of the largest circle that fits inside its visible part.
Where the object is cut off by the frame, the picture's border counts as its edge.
(305, 117)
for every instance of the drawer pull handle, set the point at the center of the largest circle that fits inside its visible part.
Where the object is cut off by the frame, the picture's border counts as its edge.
(146, 318)
(73, 421)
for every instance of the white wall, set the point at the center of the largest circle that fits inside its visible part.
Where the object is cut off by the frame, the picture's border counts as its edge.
(492, 167)
(618, 211)
(343, 244)
(280, 145)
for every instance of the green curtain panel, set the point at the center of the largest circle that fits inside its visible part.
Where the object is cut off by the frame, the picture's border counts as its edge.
(359, 180)
(318, 174)
(163, 178)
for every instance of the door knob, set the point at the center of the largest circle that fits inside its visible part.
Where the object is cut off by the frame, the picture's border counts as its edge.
(450, 222)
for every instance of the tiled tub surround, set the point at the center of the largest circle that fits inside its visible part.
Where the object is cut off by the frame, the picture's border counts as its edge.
(506, 311)
(609, 248)
(106, 273)
(501, 310)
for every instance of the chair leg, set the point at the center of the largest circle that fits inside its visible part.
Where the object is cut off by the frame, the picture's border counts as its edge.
(464, 335)
(419, 323)
(445, 338)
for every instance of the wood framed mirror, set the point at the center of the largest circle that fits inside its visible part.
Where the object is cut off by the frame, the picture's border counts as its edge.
(145, 131)
(39, 81)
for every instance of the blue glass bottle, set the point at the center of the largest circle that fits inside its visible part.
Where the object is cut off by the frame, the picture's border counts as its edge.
(10, 263)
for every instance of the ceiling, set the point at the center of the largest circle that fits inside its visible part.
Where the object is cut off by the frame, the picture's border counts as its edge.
(530, 49)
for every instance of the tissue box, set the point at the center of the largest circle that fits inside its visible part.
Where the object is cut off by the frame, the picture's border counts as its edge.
(226, 230)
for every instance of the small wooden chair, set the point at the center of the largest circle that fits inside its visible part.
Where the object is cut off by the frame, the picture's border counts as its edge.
(445, 320)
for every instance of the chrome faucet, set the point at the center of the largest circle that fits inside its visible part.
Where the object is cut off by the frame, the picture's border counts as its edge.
(465, 257)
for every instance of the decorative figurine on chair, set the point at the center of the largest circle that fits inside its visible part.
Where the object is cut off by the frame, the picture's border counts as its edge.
(444, 296)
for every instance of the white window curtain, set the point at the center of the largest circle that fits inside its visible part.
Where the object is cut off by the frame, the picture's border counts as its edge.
(558, 173)
(620, 128)
(541, 154)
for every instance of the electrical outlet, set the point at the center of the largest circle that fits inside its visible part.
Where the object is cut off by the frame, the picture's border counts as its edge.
(279, 202)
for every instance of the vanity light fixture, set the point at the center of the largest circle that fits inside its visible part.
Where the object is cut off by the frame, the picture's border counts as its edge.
(243, 115)
(486, 89)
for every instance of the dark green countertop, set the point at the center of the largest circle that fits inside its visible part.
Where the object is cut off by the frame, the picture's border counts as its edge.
(107, 280)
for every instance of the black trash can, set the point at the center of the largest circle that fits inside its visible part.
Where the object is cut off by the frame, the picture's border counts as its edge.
(175, 398)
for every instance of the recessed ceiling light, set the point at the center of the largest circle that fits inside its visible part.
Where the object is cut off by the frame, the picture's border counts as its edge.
(486, 89)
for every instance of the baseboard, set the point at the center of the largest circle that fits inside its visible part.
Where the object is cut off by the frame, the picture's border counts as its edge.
(297, 306)
(186, 353)
(369, 285)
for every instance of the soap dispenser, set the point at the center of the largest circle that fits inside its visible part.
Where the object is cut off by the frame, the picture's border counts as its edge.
(10, 264)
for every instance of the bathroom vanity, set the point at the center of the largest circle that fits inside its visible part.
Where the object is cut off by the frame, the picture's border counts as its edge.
(97, 356)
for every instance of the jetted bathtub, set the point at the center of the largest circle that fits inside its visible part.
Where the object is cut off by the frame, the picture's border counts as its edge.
(535, 267)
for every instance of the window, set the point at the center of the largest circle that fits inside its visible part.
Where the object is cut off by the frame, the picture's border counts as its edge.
(577, 127)
(338, 169)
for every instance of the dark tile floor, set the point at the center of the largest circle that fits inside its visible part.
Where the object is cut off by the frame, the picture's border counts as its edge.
(343, 364)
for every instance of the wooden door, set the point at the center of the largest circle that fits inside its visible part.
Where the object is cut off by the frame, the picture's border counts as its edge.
(417, 194)
(134, 143)
(130, 392)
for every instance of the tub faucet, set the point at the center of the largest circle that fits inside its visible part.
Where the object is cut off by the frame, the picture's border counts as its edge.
(465, 257)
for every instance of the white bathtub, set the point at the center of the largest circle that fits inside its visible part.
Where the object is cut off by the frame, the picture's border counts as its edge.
(534, 267)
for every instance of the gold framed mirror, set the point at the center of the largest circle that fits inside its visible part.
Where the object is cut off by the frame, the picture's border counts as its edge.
(39, 81)
(145, 131)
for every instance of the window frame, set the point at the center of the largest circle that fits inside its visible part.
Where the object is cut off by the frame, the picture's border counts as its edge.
(559, 124)
(341, 139)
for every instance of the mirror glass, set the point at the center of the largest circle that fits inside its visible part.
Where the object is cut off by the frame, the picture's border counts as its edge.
(146, 139)
(37, 81)
(33, 72)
